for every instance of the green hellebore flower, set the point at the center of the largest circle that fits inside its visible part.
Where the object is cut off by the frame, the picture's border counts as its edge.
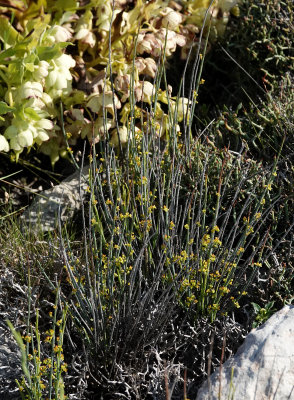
(40, 70)
(182, 109)
(24, 134)
(122, 136)
(98, 129)
(60, 34)
(60, 74)
(4, 145)
(21, 134)
(172, 19)
(29, 90)
(144, 91)
(84, 30)
(99, 100)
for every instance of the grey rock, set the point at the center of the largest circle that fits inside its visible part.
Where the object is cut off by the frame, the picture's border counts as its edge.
(12, 296)
(262, 368)
(9, 365)
(63, 199)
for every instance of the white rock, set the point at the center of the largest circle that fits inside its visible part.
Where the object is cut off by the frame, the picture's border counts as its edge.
(63, 199)
(262, 368)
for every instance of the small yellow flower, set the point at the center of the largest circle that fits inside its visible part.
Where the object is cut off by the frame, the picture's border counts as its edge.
(165, 208)
(57, 349)
(151, 208)
(249, 230)
(48, 339)
(64, 367)
(268, 187)
(27, 338)
(217, 242)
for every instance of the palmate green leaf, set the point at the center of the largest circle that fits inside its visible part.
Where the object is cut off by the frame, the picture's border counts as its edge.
(5, 108)
(62, 5)
(36, 28)
(17, 51)
(8, 34)
(46, 53)
(34, 9)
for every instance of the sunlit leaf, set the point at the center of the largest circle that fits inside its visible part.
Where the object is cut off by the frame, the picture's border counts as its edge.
(8, 35)
(4, 108)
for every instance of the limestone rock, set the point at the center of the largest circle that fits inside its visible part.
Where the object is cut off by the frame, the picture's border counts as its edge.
(262, 368)
(9, 365)
(63, 198)
(12, 295)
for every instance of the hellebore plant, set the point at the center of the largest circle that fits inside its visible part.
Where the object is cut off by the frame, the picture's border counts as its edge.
(117, 47)
(36, 73)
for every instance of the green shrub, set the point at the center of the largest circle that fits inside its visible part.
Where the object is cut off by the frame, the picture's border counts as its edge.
(172, 234)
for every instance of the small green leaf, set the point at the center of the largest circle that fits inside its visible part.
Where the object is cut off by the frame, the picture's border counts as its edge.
(76, 97)
(269, 305)
(48, 53)
(5, 108)
(32, 114)
(8, 34)
(256, 307)
(18, 51)
(30, 67)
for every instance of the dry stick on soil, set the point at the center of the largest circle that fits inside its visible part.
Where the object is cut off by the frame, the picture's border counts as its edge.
(209, 364)
(167, 396)
(185, 383)
(221, 365)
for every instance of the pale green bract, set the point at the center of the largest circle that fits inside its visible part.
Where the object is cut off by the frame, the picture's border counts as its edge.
(4, 145)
